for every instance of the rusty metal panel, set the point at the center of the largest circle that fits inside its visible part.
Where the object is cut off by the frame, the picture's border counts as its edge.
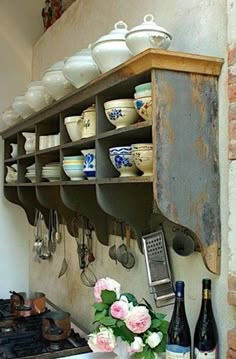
(187, 172)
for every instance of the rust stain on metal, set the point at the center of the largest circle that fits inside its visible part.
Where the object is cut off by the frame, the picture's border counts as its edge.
(202, 148)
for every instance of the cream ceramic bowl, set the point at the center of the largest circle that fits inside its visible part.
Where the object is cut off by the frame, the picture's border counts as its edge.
(74, 127)
(145, 93)
(111, 50)
(147, 35)
(121, 112)
(10, 117)
(89, 122)
(55, 81)
(80, 68)
(37, 96)
(143, 106)
(144, 161)
(21, 106)
(142, 147)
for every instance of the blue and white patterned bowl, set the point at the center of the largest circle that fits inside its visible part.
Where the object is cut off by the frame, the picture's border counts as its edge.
(89, 163)
(121, 113)
(123, 161)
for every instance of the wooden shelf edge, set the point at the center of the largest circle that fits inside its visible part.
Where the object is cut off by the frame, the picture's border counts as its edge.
(78, 143)
(120, 180)
(115, 132)
(79, 183)
(48, 150)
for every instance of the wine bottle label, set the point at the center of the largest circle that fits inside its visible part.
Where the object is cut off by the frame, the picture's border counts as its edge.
(205, 354)
(177, 352)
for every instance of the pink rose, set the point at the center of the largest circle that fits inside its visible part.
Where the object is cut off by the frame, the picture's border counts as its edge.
(119, 309)
(103, 284)
(138, 320)
(103, 341)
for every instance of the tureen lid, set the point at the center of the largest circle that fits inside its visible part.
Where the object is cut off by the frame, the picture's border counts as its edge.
(90, 108)
(82, 54)
(19, 98)
(55, 67)
(35, 84)
(148, 24)
(118, 34)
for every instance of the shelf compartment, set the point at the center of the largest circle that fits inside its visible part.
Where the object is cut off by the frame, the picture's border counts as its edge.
(85, 203)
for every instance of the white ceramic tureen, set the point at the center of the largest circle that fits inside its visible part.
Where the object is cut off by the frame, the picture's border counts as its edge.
(10, 117)
(55, 81)
(21, 106)
(37, 96)
(147, 35)
(110, 50)
(80, 68)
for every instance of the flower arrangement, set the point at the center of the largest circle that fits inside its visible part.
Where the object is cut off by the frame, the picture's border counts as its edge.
(124, 323)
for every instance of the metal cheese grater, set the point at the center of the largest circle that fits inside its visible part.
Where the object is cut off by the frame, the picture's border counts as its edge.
(158, 269)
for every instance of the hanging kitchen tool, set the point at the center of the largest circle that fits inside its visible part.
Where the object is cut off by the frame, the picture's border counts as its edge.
(57, 227)
(64, 265)
(88, 232)
(82, 247)
(121, 251)
(158, 268)
(53, 241)
(127, 258)
(112, 249)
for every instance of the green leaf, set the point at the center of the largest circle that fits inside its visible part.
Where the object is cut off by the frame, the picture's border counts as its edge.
(139, 355)
(156, 323)
(164, 326)
(119, 323)
(131, 298)
(124, 333)
(160, 316)
(108, 321)
(100, 306)
(99, 315)
(108, 296)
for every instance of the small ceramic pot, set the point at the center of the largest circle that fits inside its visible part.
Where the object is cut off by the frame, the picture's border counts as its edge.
(147, 35)
(10, 117)
(37, 96)
(74, 127)
(144, 161)
(122, 160)
(89, 163)
(89, 122)
(29, 141)
(111, 50)
(21, 106)
(55, 81)
(143, 106)
(121, 113)
(14, 149)
(80, 68)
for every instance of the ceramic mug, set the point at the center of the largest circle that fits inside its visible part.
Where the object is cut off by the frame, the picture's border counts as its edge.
(89, 163)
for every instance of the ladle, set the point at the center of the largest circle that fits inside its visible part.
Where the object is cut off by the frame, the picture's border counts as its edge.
(64, 265)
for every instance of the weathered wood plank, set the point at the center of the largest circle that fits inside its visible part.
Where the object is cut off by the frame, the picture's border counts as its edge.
(186, 166)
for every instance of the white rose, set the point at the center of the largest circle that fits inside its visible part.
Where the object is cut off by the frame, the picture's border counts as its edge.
(154, 339)
(137, 345)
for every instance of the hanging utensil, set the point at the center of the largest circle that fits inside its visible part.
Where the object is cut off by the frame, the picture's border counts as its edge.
(82, 248)
(112, 249)
(88, 232)
(64, 265)
(127, 259)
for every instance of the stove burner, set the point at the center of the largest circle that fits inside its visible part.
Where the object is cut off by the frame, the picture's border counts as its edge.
(54, 346)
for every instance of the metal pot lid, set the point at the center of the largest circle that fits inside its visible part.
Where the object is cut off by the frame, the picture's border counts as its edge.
(56, 67)
(118, 34)
(147, 25)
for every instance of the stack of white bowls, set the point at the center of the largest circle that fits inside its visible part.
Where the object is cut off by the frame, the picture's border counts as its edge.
(74, 127)
(30, 173)
(73, 167)
(49, 141)
(51, 171)
(143, 100)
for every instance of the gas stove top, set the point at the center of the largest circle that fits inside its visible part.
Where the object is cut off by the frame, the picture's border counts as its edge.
(22, 338)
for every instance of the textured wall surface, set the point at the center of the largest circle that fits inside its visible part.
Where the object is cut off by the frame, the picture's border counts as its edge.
(197, 27)
(20, 27)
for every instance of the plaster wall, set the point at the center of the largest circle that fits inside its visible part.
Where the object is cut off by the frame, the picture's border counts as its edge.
(20, 26)
(198, 26)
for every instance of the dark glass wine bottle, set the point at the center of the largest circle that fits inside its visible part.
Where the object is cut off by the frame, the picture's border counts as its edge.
(178, 336)
(206, 335)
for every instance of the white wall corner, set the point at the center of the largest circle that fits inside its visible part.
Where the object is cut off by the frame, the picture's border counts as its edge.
(232, 22)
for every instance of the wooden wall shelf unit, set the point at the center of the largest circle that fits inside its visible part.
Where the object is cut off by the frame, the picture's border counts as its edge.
(183, 192)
